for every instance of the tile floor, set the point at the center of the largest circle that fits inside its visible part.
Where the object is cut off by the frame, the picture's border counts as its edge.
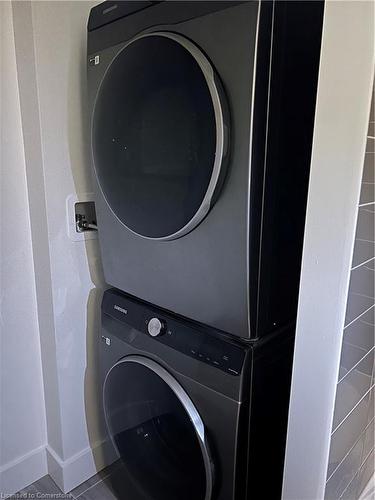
(97, 487)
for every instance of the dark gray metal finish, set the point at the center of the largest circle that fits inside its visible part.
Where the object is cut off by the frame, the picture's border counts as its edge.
(240, 414)
(238, 269)
(183, 274)
(216, 395)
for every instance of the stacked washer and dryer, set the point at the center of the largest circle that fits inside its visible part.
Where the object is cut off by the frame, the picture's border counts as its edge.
(202, 119)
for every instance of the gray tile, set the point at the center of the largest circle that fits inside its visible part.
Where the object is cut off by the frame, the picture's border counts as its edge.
(100, 491)
(369, 168)
(357, 305)
(371, 129)
(29, 492)
(365, 223)
(370, 145)
(94, 480)
(363, 252)
(44, 486)
(361, 332)
(366, 472)
(344, 474)
(369, 439)
(350, 356)
(351, 492)
(352, 388)
(367, 193)
(346, 436)
(362, 280)
(47, 485)
(371, 411)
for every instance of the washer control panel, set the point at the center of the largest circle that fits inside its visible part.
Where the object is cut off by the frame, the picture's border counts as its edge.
(182, 335)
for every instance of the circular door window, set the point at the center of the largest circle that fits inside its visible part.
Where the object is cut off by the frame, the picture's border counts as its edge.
(158, 135)
(157, 433)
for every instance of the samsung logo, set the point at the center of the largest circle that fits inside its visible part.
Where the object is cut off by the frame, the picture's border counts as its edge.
(121, 309)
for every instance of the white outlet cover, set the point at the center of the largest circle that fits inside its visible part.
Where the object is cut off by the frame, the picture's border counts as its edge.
(73, 234)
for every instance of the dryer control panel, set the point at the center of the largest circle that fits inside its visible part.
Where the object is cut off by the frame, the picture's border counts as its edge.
(182, 335)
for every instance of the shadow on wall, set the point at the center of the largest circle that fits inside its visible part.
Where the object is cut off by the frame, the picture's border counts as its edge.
(79, 151)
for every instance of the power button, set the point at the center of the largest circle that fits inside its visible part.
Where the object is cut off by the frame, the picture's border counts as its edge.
(156, 327)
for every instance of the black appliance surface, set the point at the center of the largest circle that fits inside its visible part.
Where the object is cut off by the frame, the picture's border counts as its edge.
(202, 118)
(191, 413)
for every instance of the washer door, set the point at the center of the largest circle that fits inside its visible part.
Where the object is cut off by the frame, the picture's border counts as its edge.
(157, 433)
(159, 135)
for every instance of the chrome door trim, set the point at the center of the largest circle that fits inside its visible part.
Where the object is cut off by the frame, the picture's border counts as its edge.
(186, 402)
(222, 132)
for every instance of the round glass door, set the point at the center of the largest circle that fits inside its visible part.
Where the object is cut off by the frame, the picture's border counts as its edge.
(158, 135)
(157, 433)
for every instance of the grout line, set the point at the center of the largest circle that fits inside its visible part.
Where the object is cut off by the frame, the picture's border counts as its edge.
(352, 368)
(363, 295)
(365, 460)
(355, 319)
(369, 203)
(357, 346)
(350, 450)
(95, 484)
(87, 489)
(346, 455)
(362, 263)
(84, 491)
(351, 411)
(350, 482)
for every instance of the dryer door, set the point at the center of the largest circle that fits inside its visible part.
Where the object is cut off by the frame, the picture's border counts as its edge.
(157, 433)
(159, 135)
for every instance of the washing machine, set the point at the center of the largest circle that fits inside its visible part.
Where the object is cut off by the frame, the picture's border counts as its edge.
(191, 413)
(201, 119)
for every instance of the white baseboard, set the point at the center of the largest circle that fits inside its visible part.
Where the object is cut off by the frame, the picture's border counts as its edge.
(70, 473)
(67, 474)
(18, 474)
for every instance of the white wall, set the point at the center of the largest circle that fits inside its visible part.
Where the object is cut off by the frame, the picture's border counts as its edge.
(58, 30)
(343, 103)
(45, 97)
(22, 417)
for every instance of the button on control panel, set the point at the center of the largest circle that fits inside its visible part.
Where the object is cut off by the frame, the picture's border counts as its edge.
(210, 353)
(156, 327)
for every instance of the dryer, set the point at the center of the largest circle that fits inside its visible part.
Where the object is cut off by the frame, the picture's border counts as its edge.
(201, 130)
(190, 413)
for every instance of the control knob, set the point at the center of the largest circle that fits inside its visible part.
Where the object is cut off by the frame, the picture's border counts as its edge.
(156, 327)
